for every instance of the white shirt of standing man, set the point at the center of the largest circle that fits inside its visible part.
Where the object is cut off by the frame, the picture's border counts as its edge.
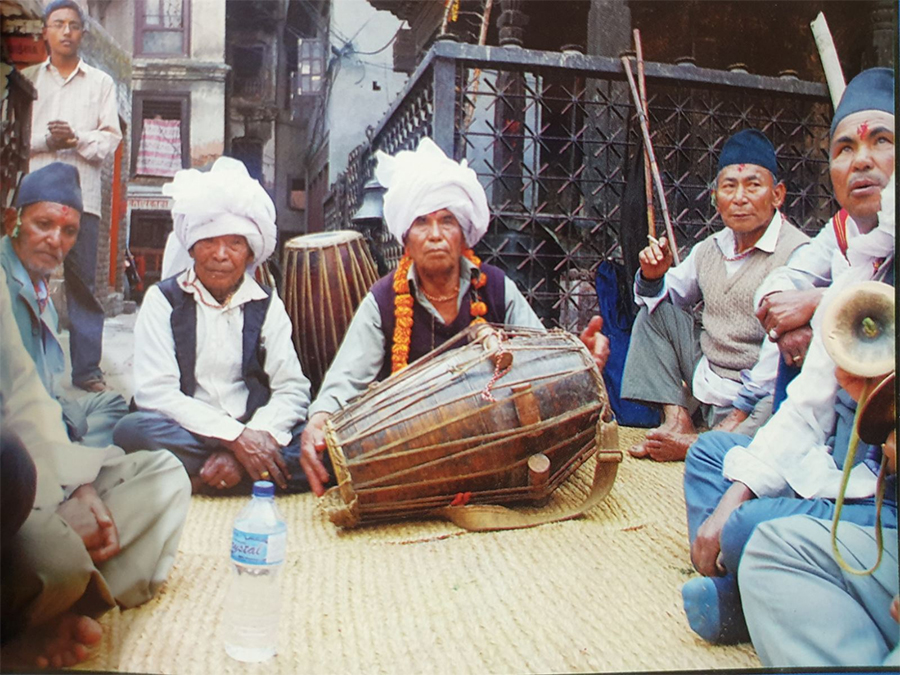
(74, 119)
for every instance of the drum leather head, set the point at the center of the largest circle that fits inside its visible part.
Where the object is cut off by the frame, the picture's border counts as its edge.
(319, 240)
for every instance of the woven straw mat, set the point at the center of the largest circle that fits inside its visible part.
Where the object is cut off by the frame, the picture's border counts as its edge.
(598, 594)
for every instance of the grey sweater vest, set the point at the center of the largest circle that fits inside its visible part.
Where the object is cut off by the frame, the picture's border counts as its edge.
(731, 335)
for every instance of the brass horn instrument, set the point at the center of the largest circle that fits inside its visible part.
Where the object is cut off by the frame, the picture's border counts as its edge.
(858, 332)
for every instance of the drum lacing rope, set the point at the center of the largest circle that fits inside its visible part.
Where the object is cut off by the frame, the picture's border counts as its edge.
(498, 373)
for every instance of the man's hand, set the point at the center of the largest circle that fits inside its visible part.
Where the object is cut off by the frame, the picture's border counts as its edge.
(794, 344)
(784, 311)
(222, 470)
(655, 259)
(86, 513)
(60, 135)
(707, 545)
(732, 420)
(312, 446)
(596, 342)
(259, 452)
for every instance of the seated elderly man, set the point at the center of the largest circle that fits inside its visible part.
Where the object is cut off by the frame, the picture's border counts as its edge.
(724, 362)
(793, 587)
(786, 300)
(437, 210)
(805, 611)
(103, 530)
(792, 466)
(42, 230)
(217, 380)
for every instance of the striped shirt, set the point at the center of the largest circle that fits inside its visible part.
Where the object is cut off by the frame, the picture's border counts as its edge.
(87, 101)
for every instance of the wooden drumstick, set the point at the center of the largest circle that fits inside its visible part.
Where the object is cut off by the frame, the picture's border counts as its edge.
(654, 167)
(648, 179)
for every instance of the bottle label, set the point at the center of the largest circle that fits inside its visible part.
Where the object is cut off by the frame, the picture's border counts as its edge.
(251, 548)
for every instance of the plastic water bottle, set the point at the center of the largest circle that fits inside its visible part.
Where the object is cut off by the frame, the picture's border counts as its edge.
(254, 600)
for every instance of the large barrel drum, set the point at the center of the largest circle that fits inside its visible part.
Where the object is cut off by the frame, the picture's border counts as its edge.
(460, 425)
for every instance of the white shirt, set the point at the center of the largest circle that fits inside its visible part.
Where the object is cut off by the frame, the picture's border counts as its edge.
(812, 265)
(790, 452)
(681, 284)
(221, 394)
(28, 411)
(86, 99)
(361, 355)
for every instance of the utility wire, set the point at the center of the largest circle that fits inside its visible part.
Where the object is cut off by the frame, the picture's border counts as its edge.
(389, 43)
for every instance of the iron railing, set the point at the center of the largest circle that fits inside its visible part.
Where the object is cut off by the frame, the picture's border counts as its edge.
(550, 136)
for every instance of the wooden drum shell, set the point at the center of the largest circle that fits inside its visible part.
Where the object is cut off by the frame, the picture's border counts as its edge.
(426, 437)
(326, 276)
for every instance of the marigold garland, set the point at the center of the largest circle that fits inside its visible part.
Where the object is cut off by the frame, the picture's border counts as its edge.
(403, 307)
(403, 304)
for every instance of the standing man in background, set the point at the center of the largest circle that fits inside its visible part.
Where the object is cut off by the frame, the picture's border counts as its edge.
(74, 120)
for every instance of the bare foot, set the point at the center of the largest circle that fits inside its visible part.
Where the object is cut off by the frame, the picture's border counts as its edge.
(639, 450)
(65, 641)
(668, 446)
(677, 421)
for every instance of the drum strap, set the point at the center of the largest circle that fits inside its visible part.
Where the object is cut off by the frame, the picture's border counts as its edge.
(485, 518)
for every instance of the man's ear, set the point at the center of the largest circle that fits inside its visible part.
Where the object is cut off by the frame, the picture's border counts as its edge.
(780, 193)
(10, 215)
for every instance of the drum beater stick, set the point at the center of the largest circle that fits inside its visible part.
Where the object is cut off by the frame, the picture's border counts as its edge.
(654, 167)
(648, 184)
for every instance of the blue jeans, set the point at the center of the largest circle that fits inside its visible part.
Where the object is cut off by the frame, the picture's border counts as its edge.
(704, 486)
(85, 311)
(153, 431)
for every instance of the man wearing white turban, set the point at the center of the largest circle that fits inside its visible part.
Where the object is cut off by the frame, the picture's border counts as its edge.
(239, 201)
(217, 379)
(437, 210)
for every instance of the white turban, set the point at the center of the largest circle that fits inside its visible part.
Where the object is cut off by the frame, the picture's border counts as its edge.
(222, 201)
(426, 180)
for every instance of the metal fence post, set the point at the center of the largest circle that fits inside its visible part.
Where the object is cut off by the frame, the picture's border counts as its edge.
(443, 124)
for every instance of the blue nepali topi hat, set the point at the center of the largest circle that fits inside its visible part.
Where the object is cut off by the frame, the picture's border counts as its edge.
(56, 182)
(749, 146)
(872, 89)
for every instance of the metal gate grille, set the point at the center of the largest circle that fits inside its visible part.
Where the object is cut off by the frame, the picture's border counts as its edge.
(550, 135)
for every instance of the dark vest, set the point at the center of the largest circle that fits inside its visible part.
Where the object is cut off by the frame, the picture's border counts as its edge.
(184, 332)
(423, 339)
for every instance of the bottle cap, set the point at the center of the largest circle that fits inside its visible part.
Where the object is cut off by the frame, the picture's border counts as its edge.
(263, 488)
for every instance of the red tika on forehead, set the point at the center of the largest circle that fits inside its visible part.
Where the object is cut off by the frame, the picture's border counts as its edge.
(65, 209)
(862, 129)
(740, 167)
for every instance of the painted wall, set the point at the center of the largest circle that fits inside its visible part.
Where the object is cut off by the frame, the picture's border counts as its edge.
(102, 50)
(208, 30)
(207, 122)
(364, 84)
(117, 17)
